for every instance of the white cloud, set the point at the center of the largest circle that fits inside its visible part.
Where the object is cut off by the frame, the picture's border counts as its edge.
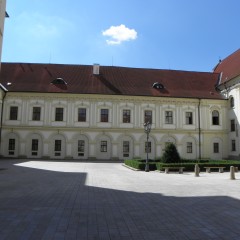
(119, 34)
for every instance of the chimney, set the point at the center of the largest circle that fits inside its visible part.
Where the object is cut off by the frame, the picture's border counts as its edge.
(96, 68)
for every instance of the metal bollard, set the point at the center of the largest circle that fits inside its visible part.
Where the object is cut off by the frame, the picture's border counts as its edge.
(196, 170)
(232, 173)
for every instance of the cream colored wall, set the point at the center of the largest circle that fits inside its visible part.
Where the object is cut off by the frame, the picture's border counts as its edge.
(115, 131)
(233, 113)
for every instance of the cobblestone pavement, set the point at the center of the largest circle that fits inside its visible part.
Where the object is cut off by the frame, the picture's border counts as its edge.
(51, 200)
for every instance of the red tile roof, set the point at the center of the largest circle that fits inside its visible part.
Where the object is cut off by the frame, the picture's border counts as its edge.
(26, 77)
(229, 67)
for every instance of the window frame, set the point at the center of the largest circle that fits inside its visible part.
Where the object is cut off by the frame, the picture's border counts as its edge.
(59, 114)
(215, 147)
(81, 147)
(35, 147)
(82, 114)
(58, 145)
(11, 146)
(13, 114)
(103, 146)
(104, 115)
(232, 125)
(126, 116)
(215, 118)
(233, 145)
(148, 147)
(148, 116)
(36, 115)
(189, 147)
(168, 117)
(126, 146)
(189, 118)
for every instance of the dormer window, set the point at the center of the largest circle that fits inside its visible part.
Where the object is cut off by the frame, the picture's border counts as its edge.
(158, 85)
(59, 81)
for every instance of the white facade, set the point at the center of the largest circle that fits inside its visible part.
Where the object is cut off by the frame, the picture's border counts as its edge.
(231, 90)
(117, 138)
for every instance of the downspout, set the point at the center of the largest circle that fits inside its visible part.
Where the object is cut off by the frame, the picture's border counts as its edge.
(199, 130)
(1, 120)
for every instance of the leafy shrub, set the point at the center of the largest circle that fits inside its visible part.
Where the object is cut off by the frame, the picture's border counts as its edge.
(171, 154)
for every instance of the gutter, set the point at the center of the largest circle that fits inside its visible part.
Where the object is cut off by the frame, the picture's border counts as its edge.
(1, 119)
(199, 130)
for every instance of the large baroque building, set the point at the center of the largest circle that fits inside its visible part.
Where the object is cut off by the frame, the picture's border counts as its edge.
(54, 111)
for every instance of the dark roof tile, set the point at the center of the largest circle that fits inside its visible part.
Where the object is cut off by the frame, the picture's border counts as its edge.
(229, 67)
(111, 80)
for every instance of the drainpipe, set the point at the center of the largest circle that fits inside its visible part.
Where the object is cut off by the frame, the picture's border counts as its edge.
(1, 120)
(199, 130)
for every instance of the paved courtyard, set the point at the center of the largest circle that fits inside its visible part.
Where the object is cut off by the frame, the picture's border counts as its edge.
(89, 201)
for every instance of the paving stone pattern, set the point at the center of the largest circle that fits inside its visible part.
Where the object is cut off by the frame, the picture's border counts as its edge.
(56, 200)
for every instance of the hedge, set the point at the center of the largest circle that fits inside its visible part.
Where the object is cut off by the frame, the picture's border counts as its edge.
(187, 164)
(140, 164)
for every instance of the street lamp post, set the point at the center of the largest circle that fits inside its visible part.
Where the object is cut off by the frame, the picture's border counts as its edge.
(147, 129)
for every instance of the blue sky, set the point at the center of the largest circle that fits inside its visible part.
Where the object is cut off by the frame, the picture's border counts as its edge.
(187, 35)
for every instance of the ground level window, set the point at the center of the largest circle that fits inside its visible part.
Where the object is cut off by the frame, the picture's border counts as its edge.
(34, 147)
(11, 146)
(58, 147)
(148, 147)
(189, 147)
(81, 147)
(103, 146)
(126, 148)
(216, 147)
(233, 145)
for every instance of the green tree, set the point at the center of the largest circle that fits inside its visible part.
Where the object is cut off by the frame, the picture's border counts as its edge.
(171, 154)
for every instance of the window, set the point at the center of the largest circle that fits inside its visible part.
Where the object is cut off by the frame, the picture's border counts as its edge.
(104, 115)
(103, 147)
(189, 147)
(169, 117)
(126, 116)
(189, 118)
(34, 144)
(125, 148)
(34, 147)
(59, 114)
(148, 147)
(148, 116)
(36, 114)
(58, 147)
(13, 113)
(232, 125)
(82, 114)
(81, 147)
(215, 117)
(233, 145)
(216, 147)
(231, 102)
(11, 146)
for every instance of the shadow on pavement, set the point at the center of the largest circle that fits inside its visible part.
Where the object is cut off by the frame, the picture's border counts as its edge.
(40, 204)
